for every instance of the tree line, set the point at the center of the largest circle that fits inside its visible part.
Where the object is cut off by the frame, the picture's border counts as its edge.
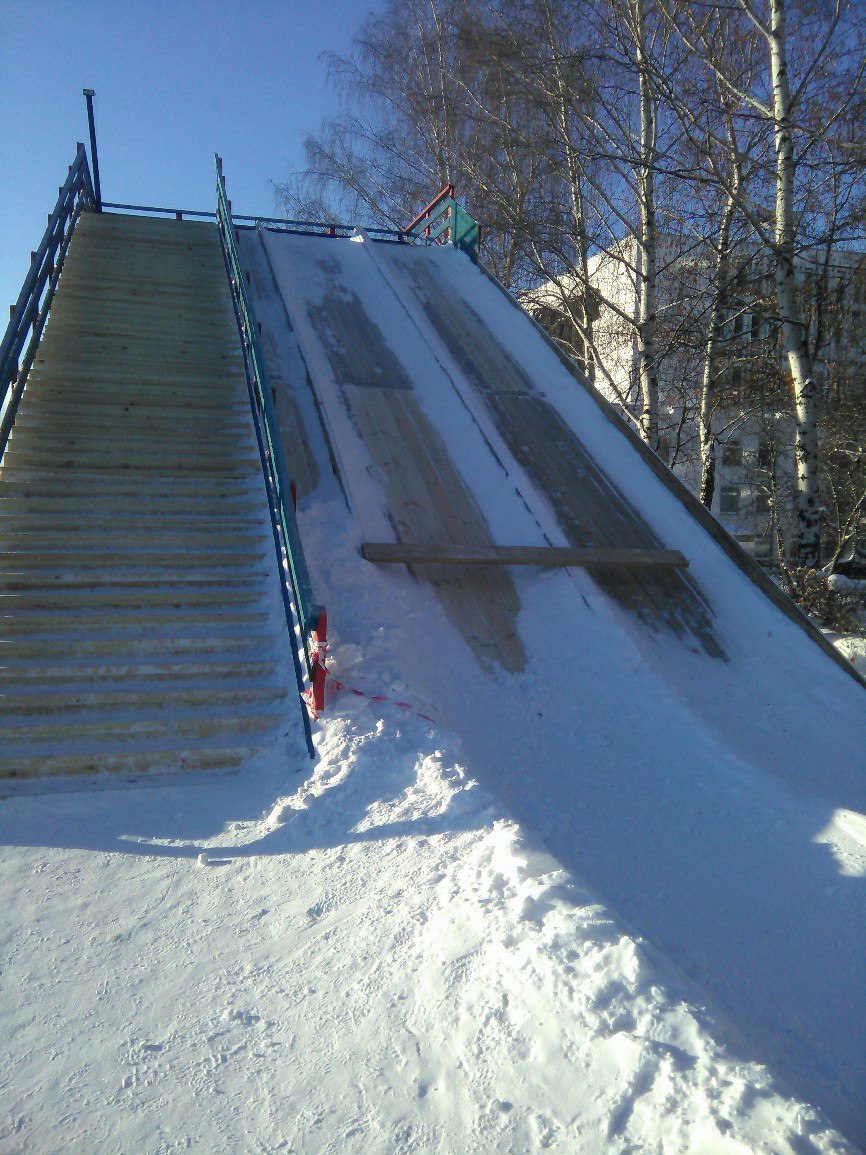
(591, 135)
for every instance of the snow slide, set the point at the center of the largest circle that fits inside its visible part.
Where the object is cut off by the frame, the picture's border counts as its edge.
(605, 895)
(709, 793)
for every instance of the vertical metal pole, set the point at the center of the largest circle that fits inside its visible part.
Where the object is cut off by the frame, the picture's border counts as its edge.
(88, 96)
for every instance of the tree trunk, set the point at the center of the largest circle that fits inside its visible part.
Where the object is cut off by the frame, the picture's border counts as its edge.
(794, 332)
(711, 352)
(646, 321)
(575, 187)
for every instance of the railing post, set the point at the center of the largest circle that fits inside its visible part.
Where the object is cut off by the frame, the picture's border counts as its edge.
(320, 670)
(97, 191)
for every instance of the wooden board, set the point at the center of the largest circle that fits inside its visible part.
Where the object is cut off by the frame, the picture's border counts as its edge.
(446, 553)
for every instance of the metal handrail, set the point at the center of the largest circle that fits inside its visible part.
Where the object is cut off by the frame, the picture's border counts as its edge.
(179, 214)
(445, 220)
(443, 198)
(310, 615)
(29, 314)
(316, 228)
(320, 228)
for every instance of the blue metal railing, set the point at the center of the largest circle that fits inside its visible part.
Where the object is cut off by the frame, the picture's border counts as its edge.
(447, 221)
(296, 586)
(30, 312)
(321, 228)
(283, 224)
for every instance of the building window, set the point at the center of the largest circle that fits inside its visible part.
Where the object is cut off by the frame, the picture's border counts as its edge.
(732, 454)
(730, 499)
(764, 547)
(762, 501)
(765, 453)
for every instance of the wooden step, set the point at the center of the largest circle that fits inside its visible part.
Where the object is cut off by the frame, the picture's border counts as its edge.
(176, 668)
(25, 481)
(166, 513)
(157, 375)
(125, 596)
(151, 460)
(126, 430)
(171, 644)
(167, 759)
(87, 621)
(142, 560)
(148, 456)
(238, 522)
(63, 391)
(193, 297)
(58, 698)
(60, 539)
(132, 577)
(97, 731)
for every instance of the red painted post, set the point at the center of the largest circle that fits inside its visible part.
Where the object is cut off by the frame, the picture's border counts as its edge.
(320, 673)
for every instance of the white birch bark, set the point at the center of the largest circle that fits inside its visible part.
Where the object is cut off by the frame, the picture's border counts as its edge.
(647, 241)
(711, 353)
(794, 331)
(562, 105)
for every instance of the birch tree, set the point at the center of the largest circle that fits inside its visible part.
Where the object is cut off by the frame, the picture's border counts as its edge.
(425, 104)
(592, 72)
(801, 116)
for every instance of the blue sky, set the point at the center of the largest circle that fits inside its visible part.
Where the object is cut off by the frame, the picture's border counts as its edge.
(175, 82)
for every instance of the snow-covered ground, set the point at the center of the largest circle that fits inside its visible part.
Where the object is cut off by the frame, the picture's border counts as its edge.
(853, 646)
(375, 957)
(375, 961)
(614, 903)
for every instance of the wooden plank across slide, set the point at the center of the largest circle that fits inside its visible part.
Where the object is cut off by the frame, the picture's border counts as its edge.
(447, 553)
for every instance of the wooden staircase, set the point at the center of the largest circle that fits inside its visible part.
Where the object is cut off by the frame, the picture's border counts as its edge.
(140, 619)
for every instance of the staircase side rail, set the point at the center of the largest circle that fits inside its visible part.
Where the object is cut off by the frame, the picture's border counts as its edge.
(319, 228)
(29, 314)
(314, 228)
(441, 203)
(160, 211)
(446, 221)
(311, 615)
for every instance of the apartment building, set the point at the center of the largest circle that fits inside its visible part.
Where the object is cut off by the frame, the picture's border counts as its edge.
(753, 404)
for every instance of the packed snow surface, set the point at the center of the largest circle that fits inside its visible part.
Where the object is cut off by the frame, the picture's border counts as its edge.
(614, 903)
